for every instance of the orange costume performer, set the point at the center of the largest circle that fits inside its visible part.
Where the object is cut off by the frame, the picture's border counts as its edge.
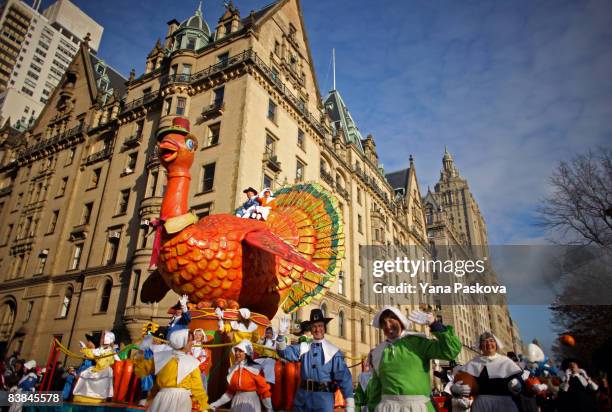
(246, 384)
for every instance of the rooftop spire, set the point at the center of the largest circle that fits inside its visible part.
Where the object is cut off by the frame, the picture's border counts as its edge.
(448, 164)
(334, 68)
(198, 11)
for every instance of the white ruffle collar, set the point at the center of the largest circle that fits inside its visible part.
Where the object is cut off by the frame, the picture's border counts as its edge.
(498, 366)
(254, 369)
(329, 349)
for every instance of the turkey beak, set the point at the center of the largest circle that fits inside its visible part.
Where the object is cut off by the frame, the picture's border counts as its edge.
(168, 151)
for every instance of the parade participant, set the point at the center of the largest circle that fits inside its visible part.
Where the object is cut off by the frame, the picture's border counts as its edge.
(177, 377)
(400, 379)
(248, 207)
(576, 393)
(202, 354)
(267, 353)
(27, 384)
(14, 373)
(69, 376)
(95, 383)
(246, 383)
(323, 368)
(266, 204)
(236, 330)
(180, 315)
(499, 379)
(361, 394)
(153, 341)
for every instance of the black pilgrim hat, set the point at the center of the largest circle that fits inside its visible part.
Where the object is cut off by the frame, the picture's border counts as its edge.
(316, 315)
(249, 189)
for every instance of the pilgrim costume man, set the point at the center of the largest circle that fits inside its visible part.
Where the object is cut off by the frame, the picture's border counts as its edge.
(250, 205)
(401, 364)
(180, 316)
(499, 379)
(323, 369)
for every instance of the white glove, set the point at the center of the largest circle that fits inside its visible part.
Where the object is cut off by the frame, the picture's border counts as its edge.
(350, 405)
(514, 386)
(460, 389)
(183, 301)
(267, 403)
(82, 344)
(219, 313)
(225, 398)
(421, 318)
(284, 326)
(525, 375)
(541, 387)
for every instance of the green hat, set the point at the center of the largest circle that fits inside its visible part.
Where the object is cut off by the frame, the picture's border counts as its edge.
(180, 125)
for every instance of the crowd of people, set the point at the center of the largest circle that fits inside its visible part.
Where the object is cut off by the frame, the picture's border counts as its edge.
(173, 366)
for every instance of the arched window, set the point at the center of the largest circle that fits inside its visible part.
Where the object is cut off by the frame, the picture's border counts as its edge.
(324, 308)
(7, 319)
(65, 308)
(341, 326)
(106, 295)
(363, 330)
(341, 282)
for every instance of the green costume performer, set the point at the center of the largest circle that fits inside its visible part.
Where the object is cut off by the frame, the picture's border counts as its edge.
(400, 379)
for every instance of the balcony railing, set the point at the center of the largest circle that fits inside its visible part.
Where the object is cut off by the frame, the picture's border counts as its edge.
(6, 190)
(132, 141)
(271, 161)
(147, 98)
(342, 191)
(45, 144)
(327, 177)
(152, 158)
(213, 110)
(100, 155)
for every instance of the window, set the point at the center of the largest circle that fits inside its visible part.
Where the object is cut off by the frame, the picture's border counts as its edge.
(65, 308)
(106, 295)
(223, 58)
(95, 178)
(300, 139)
(42, 261)
(324, 308)
(359, 224)
(124, 198)
(143, 237)
(7, 237)
(213, 134)
(70, 156)
(228, 28)
(299, 171)
(271, 110)
(218, 95)
(62, 187)
(359, 195)
(167, 106)
(180, 105)
(187, 69)
(29, 310)
(131, 162)
(135, 286)
(191, 43)
(267, 181)
(341, 324)
(203, 210)
(27, 91)
(76, 256)
(341, 282)
(86, 213)
(139, 127)
(208, 177)
(53, 221)
(112, 247)
(153, 184)
(363, 330)
(174, 69)
(270, 145)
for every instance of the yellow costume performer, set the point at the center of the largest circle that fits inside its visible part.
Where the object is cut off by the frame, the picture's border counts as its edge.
(178, 384)
(95, 383)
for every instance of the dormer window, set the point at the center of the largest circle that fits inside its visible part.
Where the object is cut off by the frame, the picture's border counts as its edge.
(100, 69)
(227, 28)
(191, 43)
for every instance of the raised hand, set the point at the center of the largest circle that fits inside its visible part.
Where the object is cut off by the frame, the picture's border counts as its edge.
(421, 318)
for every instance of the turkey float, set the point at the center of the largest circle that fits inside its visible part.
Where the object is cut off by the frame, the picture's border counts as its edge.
(230, 262)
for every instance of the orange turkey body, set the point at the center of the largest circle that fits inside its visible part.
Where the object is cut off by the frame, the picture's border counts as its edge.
(285, 261)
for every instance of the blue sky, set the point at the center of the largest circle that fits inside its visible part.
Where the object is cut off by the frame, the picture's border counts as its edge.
(512, 87)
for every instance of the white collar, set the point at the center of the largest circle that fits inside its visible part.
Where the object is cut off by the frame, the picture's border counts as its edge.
(186, 363)
(329, 350)
(254, 369)
(498, 366)
(240, 327)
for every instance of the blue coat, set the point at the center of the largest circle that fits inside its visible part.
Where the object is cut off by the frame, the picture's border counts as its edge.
(316, 368)
(178, 324)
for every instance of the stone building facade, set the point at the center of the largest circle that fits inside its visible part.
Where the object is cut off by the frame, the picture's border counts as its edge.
(77, 189)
